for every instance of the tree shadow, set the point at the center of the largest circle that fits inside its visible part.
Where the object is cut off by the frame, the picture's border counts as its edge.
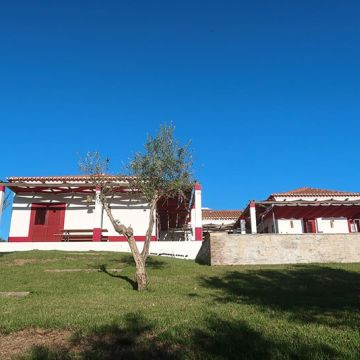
(5, 253)
(151, 262)
(310, 293)
(103, 269)
(135, 340)
(233, 339)
(216, 339)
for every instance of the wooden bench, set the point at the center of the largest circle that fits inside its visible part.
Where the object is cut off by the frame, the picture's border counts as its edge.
(79, 235)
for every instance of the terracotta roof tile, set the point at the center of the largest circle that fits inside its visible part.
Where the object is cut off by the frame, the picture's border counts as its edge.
(14, 179)
(221, 214)
(308, 191)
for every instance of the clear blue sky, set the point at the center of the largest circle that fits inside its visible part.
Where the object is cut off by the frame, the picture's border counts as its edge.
(268, 91)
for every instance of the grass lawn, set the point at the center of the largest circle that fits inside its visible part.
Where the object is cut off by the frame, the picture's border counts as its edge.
(190, 311)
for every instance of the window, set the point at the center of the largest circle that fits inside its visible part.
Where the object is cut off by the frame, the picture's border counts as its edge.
(292, 224)
(40, 216)
(332, 223)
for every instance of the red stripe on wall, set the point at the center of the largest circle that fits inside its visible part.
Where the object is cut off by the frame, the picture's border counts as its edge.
(19, 239)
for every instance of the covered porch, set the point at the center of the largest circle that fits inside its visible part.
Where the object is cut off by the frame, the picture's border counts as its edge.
(297, 217)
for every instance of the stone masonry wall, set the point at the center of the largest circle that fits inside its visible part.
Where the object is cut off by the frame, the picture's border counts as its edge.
(254, 249)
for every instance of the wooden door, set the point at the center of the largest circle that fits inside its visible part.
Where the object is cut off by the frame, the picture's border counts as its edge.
(46, 221)
(310, 226)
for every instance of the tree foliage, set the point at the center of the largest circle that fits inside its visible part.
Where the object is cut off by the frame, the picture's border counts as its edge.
(161, 171)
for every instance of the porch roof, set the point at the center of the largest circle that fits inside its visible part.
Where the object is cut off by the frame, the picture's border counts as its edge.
(306, 209)
(64, 184)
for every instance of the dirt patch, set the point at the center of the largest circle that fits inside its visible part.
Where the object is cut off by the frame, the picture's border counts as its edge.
(16, 343)
(22, 262)
(80, 270)
(86, 253)
(14, 293)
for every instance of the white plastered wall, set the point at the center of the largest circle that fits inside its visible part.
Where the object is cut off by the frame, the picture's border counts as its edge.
(339, 225)
(130, 211)
(290, 226)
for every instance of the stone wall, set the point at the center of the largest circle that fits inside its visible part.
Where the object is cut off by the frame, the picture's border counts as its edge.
(254, 249)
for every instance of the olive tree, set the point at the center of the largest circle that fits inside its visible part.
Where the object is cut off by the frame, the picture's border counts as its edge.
(161, 171)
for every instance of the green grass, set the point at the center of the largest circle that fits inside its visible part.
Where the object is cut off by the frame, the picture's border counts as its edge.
(190, 311)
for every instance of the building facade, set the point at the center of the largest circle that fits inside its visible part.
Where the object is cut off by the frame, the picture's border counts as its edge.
(66, 208)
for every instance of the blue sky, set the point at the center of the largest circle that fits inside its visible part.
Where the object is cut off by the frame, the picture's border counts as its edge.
(267, 91)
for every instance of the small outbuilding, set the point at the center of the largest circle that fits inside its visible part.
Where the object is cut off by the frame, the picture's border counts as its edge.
(303, 210)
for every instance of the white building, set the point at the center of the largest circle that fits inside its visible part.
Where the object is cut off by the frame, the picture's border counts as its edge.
(67, 208)
(304, 210)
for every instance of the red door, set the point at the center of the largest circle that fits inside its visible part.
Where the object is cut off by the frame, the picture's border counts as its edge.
(46, 221)
(310, 226)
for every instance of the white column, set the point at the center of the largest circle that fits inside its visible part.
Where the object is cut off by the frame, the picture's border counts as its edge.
(2, 198)
(242, 226)
(253, 217)
(98, 211)
(196, 214)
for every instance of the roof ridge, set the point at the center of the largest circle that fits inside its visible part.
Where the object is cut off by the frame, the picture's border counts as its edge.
(313, 191)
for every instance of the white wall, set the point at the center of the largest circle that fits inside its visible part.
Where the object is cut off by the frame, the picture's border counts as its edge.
(218, 222)
(284, 226)
(340, 225)
(179, 249)
(20, 217)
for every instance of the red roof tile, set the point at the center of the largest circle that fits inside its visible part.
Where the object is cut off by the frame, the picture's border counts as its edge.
(221, 214)
(308, 191)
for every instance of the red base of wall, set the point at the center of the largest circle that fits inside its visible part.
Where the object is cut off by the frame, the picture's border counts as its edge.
(19, 239)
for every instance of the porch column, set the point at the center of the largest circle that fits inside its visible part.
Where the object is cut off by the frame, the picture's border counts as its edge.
(197, 220)
(253, 217)
(97, 216)
(2, 198)
(242, 226)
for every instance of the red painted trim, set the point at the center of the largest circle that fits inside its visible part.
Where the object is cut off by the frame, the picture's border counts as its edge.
(2, 188)
(252, 204)
(98, 188)
(19, 239)
(123, 238)
(97, 232)
(198, 233)
(350, 221)
(197, 186)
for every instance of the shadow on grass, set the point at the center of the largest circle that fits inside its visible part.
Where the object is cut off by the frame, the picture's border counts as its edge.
(237, 340)
(133, 341)
(103, 269)
(151, 262)
(310, 293)
(5, 253)
(218, 339)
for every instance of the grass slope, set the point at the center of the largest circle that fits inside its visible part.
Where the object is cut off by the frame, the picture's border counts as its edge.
(190, 311)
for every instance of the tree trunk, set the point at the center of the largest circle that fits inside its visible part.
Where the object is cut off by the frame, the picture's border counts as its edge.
(141, 277)
(146, 248)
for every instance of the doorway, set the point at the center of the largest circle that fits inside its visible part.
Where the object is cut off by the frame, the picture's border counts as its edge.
(46, 221)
